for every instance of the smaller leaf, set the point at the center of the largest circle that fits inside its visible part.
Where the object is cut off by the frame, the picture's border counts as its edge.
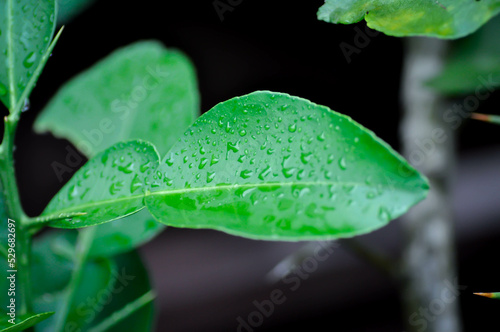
(23, 322)
(107, 187)
(486, 117)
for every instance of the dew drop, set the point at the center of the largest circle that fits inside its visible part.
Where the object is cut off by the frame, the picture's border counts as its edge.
(264, 173)
(305, 157)
(135, 184)
(29, 61)
(116, 187)
(203, 163)
(234, 147)
(342, 164)
(214, 160)
(210, 176)
(289, 172)
(246, 174)
(383, 214)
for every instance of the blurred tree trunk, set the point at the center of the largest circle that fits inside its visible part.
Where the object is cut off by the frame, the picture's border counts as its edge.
(429, 274)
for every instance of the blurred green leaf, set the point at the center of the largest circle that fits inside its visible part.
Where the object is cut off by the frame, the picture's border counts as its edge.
(68, 9)
(474, 63)
(104, 285)
(23, 322)
(26, 28)
(142, 91)
(122, 235)
(436, 18)
(125, 312)
(132, 283)
(272, 166)
(107, 187)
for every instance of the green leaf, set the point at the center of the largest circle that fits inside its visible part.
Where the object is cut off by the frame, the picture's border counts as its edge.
(120, 315)
(112, 92)
(26, 28)
(104, 286)
(432, 18)
(68, 9)
(23, 322)
(473, 64)
(131, 284)
(98, 276)
(107, 187)
(122, 235)
(78, 287)
(272, 166)
(142, 91)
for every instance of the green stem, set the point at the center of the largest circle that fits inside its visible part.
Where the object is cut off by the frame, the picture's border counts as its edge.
(15, 212)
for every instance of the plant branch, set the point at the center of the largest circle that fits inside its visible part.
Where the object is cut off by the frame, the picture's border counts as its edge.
(15, 211)
(428, 261)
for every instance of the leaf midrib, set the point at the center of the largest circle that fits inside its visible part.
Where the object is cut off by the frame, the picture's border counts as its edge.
(256, 185)
(80, 207)
(202, 189)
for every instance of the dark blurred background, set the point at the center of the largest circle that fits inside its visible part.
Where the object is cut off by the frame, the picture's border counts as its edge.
(206, 280)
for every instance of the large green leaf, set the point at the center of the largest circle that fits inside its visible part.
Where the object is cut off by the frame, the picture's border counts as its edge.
(68, 9)
(107, 187)
(142, 91)
(433, 18)
(26, 28)
(272, 166)
(23, 322)
(474, 64)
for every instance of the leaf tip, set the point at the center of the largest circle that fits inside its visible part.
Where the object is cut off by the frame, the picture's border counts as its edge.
(486, 117)
(480, 117)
